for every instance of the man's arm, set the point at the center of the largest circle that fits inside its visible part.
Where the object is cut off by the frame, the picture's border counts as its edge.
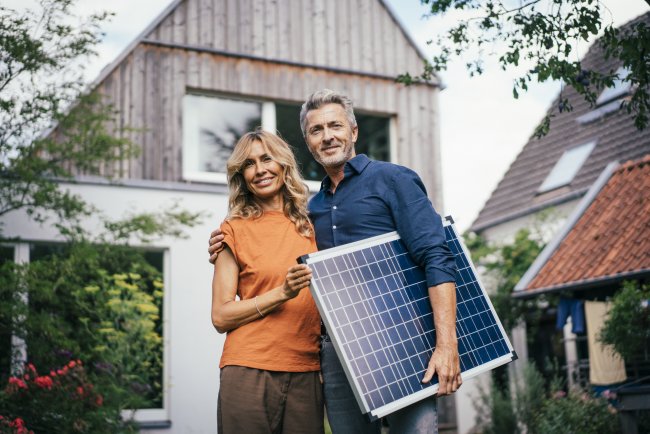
(445, 360)
(421, 229)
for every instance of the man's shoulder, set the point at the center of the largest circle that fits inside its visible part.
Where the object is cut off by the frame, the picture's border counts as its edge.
(389, 170)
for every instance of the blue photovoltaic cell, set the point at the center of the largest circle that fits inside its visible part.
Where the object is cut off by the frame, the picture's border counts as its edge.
(374, 301)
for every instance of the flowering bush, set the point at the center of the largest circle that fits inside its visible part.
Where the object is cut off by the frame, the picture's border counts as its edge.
(61, 401)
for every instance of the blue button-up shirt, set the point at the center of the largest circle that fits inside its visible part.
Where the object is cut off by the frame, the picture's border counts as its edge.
(375, 198)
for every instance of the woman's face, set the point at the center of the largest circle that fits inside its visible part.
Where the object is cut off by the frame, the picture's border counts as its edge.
(262, 174)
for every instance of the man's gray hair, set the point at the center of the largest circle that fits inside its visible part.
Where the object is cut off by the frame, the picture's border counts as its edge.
(322, 97)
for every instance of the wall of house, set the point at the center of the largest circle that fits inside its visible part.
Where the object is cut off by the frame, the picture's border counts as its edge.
(192, 346)
(260, 50)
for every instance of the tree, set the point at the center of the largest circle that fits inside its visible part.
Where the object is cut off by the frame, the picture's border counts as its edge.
(542, 35)
(42, 54)
(506, 264)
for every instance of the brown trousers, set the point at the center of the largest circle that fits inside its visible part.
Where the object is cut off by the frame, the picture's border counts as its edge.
(256, 401)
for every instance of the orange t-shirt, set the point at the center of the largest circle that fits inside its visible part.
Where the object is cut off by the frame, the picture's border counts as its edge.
(287, 338)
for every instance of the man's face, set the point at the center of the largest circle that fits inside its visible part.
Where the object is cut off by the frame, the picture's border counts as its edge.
(329, 135)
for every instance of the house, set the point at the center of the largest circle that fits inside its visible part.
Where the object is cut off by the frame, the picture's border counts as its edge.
(551, 175)
(202, 73)
(604, 242)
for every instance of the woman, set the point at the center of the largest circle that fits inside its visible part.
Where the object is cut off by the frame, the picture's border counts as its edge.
(270, 365)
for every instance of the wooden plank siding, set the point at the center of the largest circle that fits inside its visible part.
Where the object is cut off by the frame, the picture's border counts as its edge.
(276, 51)
(358, 35)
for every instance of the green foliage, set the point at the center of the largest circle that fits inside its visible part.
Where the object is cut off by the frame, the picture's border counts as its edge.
(536, 407)
(99, 303)
(42, 53)
(541, 36)
(506, 264)
(63, 400)
(577, 412)
(627, 327)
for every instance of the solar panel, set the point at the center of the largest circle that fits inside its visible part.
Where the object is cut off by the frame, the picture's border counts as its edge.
(374, 301)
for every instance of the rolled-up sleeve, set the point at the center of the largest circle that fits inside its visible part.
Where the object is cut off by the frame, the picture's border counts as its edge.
(420, 227)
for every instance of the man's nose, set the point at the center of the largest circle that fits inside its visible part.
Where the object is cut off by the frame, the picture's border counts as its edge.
(327, 135)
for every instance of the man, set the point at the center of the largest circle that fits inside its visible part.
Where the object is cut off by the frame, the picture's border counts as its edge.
(359, 199)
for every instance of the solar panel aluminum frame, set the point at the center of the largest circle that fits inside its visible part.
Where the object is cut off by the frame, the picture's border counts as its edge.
(337, 338)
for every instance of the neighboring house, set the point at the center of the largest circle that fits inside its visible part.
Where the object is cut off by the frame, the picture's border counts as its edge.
(200, 75)
(551, 175)
(604, 242)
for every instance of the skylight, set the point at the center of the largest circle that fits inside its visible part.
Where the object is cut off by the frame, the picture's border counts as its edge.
(620, 87)
(567, 167)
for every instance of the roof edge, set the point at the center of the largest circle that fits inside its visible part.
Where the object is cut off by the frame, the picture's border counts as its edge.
(531, 210)
(408, 37)
(106, 70)
(583, 284)
(550, 248)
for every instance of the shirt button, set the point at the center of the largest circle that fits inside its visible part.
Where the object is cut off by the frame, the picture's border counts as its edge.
(334, 227)
(334, 207)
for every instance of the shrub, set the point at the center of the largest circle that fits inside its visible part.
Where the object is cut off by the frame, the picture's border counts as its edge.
(627, 327)
(579, 413)
(64, 400)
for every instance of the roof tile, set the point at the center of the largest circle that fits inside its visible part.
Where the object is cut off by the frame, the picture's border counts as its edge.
(610, 238)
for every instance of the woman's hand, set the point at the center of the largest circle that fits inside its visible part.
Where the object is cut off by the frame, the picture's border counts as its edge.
(298, 278)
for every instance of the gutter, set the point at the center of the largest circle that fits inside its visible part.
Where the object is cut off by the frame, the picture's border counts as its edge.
(584, 283)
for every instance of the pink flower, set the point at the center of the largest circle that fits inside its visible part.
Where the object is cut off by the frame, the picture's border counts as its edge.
(52, 374)
(17, 382)
(31, 367)
(80, 390)
(44, 382)
(72, 364)
(559, 394)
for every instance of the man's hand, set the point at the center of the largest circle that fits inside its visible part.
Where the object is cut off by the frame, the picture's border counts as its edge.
(446, 363)
(216, 238)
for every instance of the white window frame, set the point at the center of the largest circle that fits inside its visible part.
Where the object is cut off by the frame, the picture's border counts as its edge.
(141, 416)
(190, 139)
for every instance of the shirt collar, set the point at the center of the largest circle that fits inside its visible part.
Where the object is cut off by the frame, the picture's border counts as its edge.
(355, 165)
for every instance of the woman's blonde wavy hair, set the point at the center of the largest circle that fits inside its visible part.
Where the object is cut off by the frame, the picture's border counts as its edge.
(242, 203)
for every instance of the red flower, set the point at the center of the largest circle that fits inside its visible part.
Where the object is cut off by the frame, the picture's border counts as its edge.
(99, 400)
(44, 382)
(31, 367)
(52, 374)
(17, 382)
(72, 364)
(80, 390)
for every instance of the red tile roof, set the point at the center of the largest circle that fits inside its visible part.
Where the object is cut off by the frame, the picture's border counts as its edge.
(612, 237)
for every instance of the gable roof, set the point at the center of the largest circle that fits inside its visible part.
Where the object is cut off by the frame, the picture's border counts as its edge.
(616, 137)
(177, 11)
(609, 240)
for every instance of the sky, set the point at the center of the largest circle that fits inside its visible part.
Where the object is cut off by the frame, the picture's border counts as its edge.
(482, 127)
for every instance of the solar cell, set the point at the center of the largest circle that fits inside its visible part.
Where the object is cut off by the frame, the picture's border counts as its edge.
(374, 301)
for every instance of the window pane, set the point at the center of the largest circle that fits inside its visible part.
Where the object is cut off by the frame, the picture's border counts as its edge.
(620, 87)
(81, 322)
(212, 125)
(6, 257)
(288, 125)
(567, 167)
(373, 138)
